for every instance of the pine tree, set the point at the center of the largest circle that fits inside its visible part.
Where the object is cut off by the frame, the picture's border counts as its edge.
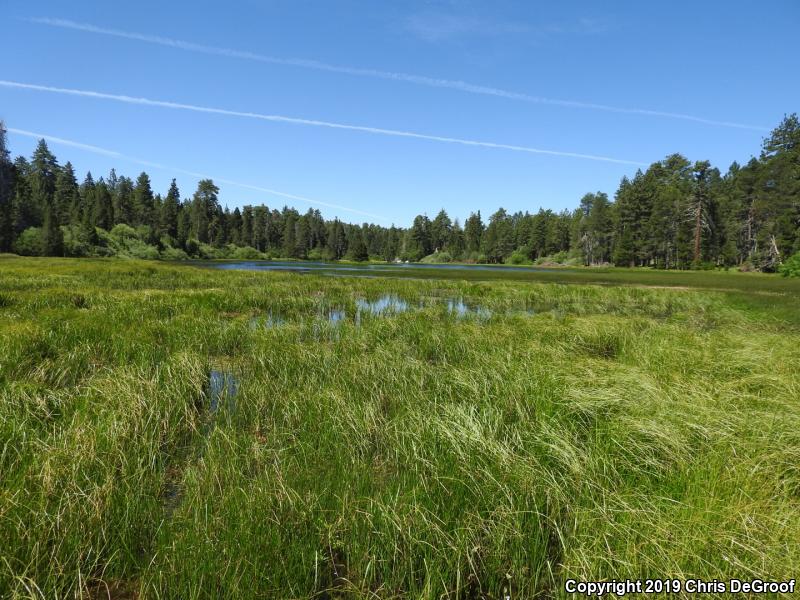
(184, 225)
(82, 211)
(337, 242)
(440, 230)
(357, 247)
(204, 207)
(169, 211)
(456, 243)
(43, 173)
(52, 238)
(123, 202)
(258, 235)
(303, 241)
(235, 233)
(498, 241)
(420, 238)
(247, 227)
(473, 232)
(103, 209)
(67, 194)
(625, 248)
(290, 235)
(143, 202)
(23, 212)
(699, 209)
(7, 177)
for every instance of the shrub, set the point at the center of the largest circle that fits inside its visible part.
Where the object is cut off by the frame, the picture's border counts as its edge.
(122, 232)
(246, 253)
(437, 257)
(210, 252)
(170, 253)
(139, 249)
(30, 242)
(791, 268)
(75, 241)
(518, 257)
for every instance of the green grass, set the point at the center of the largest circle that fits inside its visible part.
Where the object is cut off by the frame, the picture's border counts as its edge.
(580, 431)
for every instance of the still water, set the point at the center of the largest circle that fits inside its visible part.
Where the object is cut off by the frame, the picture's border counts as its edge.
(367, 269)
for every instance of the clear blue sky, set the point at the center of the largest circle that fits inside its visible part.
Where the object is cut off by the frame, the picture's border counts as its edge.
(733, 62)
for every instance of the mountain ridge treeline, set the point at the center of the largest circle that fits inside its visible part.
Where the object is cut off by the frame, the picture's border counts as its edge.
(677, 214)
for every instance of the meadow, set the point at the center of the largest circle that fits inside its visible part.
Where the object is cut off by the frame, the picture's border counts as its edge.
(181, 432)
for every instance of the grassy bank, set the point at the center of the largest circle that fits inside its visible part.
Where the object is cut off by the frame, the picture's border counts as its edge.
(176, 432)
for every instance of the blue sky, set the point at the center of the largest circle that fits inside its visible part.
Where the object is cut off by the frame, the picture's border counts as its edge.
(517, 76)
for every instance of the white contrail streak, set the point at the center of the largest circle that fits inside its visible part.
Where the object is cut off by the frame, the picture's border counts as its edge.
(462, 86)
(147, 163)
(311, 122)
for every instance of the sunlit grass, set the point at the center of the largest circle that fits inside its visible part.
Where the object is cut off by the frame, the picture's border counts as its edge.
(576, 431)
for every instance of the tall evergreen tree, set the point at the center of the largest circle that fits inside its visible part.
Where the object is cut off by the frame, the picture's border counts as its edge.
(204, 207)
(169, 211)
(67, 194)
(357, 247)
(441, 228)
(290, 235)
(7, 177)
(103, 209)
(498, 241)
(337, 242)
(473, 232)
(23, 211)
(144, 202)
(124, 211)
(42, 176)
(52, 238)
(82, 211)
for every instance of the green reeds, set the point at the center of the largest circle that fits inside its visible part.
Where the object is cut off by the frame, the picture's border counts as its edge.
(583, 432)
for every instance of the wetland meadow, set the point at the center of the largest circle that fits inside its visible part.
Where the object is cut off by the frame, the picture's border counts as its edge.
(179, 431)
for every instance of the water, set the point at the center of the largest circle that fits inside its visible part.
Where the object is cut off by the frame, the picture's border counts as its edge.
(335, 316)
(461, 310)
(366, 269)
(386, 304)
(222, 389)
(269, 322)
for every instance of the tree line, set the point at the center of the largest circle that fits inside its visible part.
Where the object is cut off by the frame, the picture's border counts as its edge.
(677, 214)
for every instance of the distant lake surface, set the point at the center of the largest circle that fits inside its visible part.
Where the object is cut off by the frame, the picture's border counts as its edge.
(367, 269)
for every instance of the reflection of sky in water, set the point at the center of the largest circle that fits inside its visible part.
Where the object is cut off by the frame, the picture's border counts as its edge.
(336, 316)
(462, 310)
(391, 304)
(387, 303)
(222, 389)
(377, 269)
(269, 322)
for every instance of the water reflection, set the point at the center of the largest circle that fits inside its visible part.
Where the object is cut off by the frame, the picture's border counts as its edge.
(461, 310)
(335, 316)
(386, 304)
(269, 322)
(378, 269)
(222, 389)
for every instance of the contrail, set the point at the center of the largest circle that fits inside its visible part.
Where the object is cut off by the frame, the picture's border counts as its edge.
(462, 86)
(147, 163)
(311, 122)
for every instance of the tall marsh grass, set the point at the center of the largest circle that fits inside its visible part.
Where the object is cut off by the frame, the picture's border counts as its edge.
(576, 431)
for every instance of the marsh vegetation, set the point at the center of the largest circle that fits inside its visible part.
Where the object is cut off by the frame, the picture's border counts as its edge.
(177, 432)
